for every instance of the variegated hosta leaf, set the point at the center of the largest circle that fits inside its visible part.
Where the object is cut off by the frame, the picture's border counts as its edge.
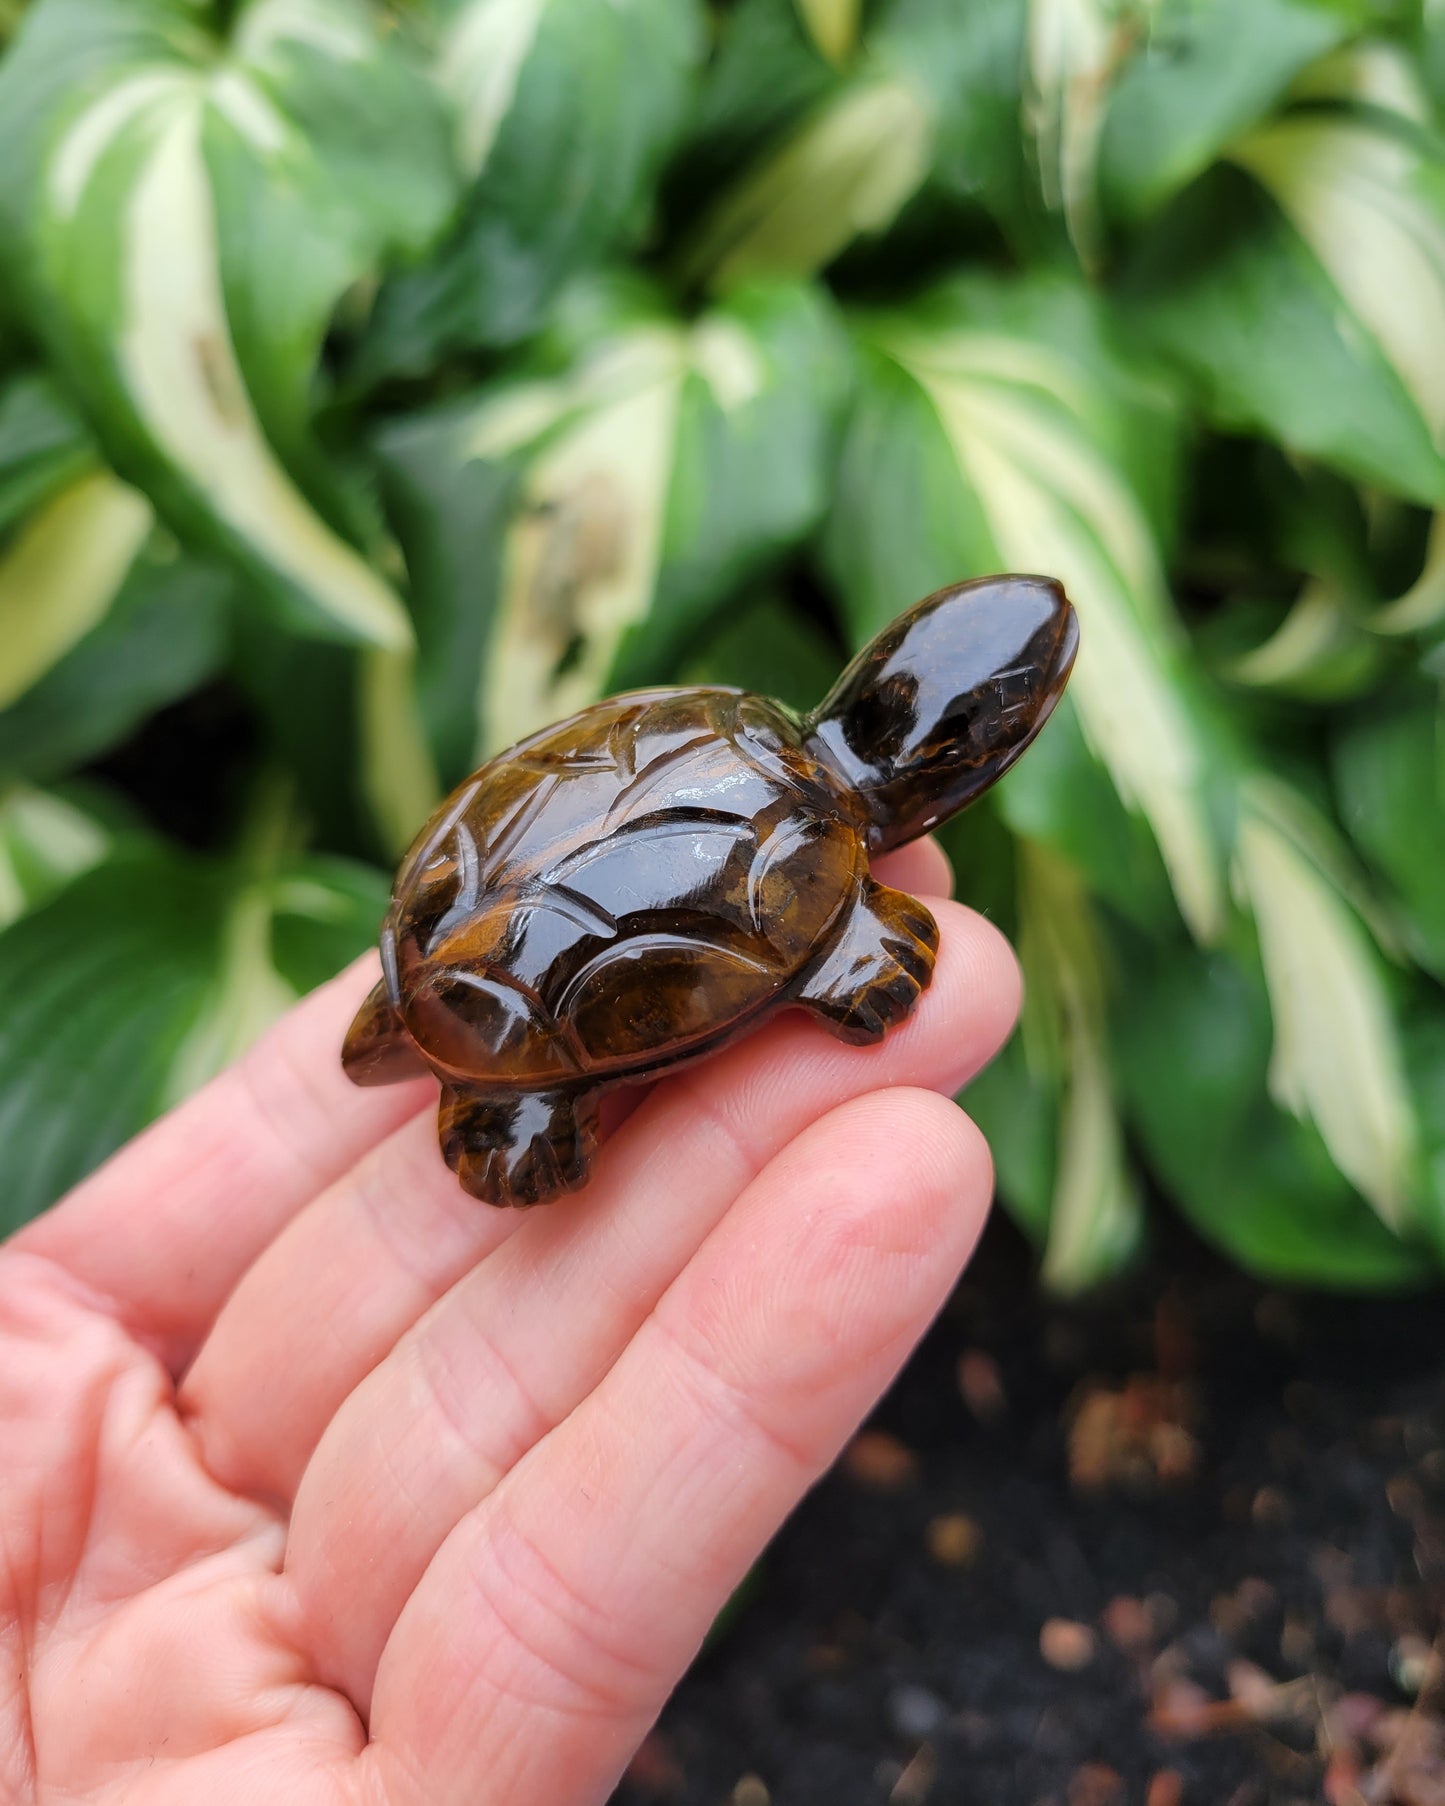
(563, 112)
(43, 446)
(1074, 50)
(398, 773)
(182, 215)
(1337, 1060)
(137, 980)
(69, 532)
(1024, 478)
(247, 992)
(583, 551)
(570, 533)
(494, 58)
(61, 571)
(164, 630)
(1198, 76)
(764, 72)
(1371, 73)
(846, 171)
(1320, 649)
(1389, 769)
(1096, 1211)
(45, 841)
(1191, 1045)
(1315, 529)
(832, 25)
(1432, 49)
(1306, 295)
(1423, 605)
(1371, 207)
(484, 44)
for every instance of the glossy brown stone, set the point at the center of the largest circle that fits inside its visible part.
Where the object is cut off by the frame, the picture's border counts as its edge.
(644, 882)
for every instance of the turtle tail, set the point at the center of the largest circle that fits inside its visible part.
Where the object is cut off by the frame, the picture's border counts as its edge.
(377, 1049)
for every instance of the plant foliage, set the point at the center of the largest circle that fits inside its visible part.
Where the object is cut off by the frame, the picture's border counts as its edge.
(405, 376)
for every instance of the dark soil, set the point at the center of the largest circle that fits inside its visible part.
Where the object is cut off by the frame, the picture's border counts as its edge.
(1184, 1543)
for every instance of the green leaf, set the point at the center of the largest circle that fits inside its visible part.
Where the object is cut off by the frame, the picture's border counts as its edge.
(1370, 204)
(69, 531)
(1432, 58)
(1368, 73)
(136, 982)
(1337, 1060)
(449, 510)
(767, 646)
(1061, 796)
(1425, 1061)
(182, 216)
(1320, 650)
(1050, 1112)
(306, 695)
(1297, 527)
(43, 446)
(1389, 768)
(1203, 75)
(765, 72)
(60, 573)
(1192, 1041)
(832, 25)
(971, 63)
(845, 171)
(45, 841)
(324, 912)
(1423, 605)
(571, 533)
(1306, 298)
(398, 773)
(564, 109)
(988, 437)
(164, 633)
(1075, 48)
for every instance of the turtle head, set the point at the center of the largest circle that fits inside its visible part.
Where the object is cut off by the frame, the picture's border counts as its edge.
(944, 700)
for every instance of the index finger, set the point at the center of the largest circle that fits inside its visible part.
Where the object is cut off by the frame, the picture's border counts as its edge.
(164, 1231)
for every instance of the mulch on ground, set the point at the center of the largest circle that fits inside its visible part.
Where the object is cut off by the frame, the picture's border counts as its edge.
(1183, 1545)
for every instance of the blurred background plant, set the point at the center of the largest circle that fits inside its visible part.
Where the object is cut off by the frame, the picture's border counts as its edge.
(377, 383)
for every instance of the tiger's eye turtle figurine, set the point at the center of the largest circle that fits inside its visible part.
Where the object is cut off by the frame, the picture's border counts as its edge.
(657, 875)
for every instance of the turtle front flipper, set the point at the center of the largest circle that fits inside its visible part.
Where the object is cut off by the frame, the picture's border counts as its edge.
(378, 1050)
(518, 1147)
(872, 975)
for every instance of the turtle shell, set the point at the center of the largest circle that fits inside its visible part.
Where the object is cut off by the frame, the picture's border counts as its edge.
(621, 890)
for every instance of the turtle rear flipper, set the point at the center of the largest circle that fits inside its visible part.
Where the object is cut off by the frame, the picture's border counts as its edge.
(518, 1147)
(378, 1050)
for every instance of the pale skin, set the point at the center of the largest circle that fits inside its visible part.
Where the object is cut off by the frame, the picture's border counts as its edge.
(323, 1483)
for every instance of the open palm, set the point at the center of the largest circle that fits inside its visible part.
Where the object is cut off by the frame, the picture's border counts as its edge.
(322, 1482)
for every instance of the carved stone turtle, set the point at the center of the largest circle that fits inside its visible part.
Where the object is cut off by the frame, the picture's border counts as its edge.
(643, 882)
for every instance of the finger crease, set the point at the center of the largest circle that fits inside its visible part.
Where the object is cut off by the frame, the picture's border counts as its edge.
(599, 1676)
(699, 1103)
(397, 1220)
(531, 1422)
(738, 1403)
(290, 1075)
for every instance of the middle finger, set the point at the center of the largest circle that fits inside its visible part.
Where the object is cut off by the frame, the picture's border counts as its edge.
(519, 1341)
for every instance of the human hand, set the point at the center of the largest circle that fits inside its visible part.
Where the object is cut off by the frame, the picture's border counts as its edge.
(323, 1483)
